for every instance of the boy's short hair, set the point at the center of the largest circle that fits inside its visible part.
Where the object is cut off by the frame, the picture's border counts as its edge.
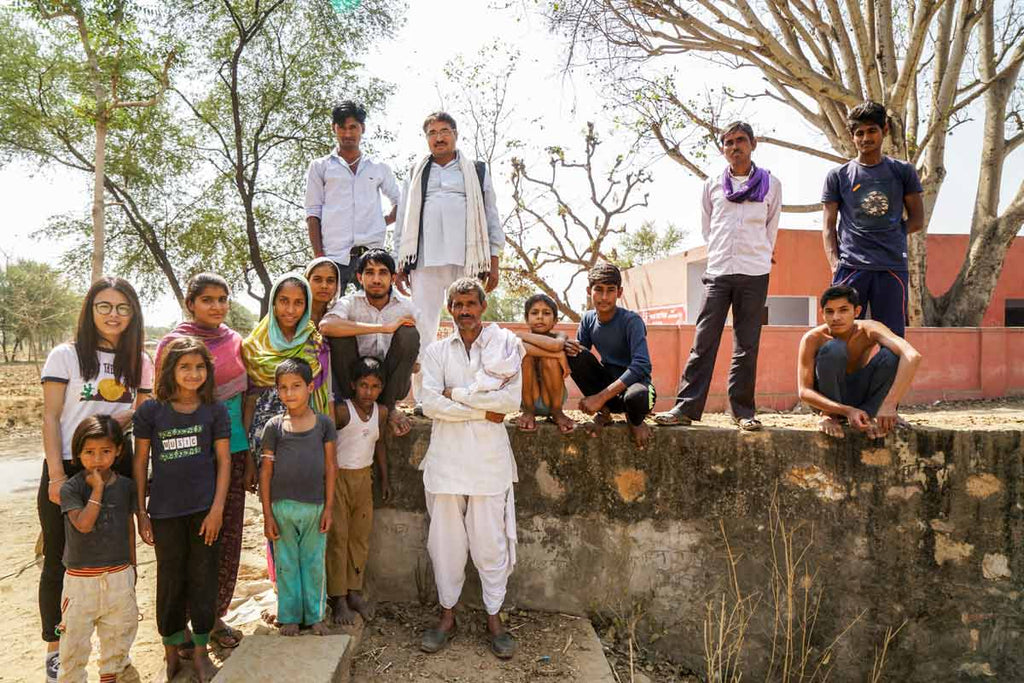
(604, 273)
(840, 292)
(465, 285)
(540, 298)
(294, 366)
(867, 112)
(96, 427)
(376, 255)
(737, 126)
(442, 116)
(367, 366)
(348, 110)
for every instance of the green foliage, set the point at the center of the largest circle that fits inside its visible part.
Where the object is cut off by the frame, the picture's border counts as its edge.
(38, 308)
(646, 244)
(241, 319)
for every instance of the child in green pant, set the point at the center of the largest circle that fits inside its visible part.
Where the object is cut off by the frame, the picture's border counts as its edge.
(296, 477)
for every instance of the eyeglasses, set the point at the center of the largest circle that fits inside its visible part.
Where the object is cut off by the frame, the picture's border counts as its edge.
(106, 308)
(442, 133)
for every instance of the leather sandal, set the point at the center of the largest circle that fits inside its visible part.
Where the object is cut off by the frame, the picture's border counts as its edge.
(503, 645)
(434, 639)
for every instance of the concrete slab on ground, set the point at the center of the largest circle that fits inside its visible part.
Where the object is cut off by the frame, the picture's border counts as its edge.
(300, 659)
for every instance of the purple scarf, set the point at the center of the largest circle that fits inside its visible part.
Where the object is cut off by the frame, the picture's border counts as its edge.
(754, 190)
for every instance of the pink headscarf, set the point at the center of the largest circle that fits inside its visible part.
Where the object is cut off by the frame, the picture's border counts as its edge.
(225, 345)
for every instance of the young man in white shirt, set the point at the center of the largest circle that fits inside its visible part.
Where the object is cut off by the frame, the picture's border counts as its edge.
(375, 322)
(343, 190)
(448, 225)
(740, 221)
(469, 469)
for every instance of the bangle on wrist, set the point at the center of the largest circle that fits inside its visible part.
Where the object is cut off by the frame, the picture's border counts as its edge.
(95, 502)
(58, 480)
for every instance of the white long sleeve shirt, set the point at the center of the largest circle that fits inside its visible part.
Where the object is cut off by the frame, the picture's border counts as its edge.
(468, 454)
(740, 235)
(348, 204)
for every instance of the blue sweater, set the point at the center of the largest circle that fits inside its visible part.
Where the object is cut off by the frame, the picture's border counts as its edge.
(622, 341)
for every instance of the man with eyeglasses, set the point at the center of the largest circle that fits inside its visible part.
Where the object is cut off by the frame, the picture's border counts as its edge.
(343, 190)
(448, 226)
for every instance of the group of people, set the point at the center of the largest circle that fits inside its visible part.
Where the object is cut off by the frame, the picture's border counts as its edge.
(297, 411)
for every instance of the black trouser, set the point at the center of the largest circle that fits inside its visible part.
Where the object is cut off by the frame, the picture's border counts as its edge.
(186, 579)
(51, 520)
(746, 295)
(592, 377)
(397, 365)
(865, 388)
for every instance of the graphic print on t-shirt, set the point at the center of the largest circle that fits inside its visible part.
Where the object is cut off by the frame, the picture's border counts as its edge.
(872, 201)
(109, 389)
(179, 442)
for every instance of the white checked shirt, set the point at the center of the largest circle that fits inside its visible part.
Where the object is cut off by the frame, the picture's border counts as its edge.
(468, 454)
(740, 235)
(357, 308)
(348, 204)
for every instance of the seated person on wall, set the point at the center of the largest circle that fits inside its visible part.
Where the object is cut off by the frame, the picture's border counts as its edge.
(378, 323)
(838, 375)
(621, 381)
(545, 367)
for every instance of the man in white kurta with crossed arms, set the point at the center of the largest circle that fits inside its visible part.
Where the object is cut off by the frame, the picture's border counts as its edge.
(471, 380)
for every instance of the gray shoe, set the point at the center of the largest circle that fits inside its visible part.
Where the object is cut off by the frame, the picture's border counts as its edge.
(674, 417)
(503, 645)
(52, 667)
(434, 639)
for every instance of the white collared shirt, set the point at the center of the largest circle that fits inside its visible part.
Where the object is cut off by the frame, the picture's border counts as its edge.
(740, 235)
(357, 308)
(468, 454)
(348, 204)
(444, 217)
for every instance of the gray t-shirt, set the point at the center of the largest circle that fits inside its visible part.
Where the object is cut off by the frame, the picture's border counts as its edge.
(108, 544)
(298, 459)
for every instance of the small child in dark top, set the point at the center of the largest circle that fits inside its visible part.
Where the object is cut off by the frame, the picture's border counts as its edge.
(99, 554)
(296, 478)
(545, 366)
(621, 380)
(189, 435)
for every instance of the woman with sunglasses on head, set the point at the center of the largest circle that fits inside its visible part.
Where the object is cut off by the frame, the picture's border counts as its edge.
(104, 371)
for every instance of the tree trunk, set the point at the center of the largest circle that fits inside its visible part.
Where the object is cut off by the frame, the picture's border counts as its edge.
(98, 227)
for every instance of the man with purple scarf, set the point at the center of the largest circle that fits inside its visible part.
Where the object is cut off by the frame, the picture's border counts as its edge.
(740, 220)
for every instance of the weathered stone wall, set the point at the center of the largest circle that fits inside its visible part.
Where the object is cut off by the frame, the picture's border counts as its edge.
(926, 528)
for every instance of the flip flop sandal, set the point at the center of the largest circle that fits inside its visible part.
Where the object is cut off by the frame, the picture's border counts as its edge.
(671, 418)
(219, 635)
(749, 424)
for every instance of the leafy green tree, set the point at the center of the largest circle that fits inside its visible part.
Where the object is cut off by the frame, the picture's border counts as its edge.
(38, 308)
(646, 244)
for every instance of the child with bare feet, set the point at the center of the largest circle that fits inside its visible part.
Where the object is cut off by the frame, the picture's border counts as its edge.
(189, 436)
(545, 367)
(296, 478)
(361, 421)
(99, 584)
(621, 381)
(854, 370)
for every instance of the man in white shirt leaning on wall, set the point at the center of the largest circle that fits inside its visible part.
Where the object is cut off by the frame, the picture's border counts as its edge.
(740, 221)
(471, 380)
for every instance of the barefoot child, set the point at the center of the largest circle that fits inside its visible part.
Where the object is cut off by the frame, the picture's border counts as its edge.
(189, 436)
(296, 477)
(99, 584)
(361, 422)
(545, 366)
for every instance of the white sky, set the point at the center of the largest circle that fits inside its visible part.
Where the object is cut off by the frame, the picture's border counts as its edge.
(413, 61)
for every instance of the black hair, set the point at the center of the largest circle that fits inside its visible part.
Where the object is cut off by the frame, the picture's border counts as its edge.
(367, 366)
(200, 281)
(130, 345)
(604, 273)
(96, 427)
(540, 298)
(737, 126)
(293, 366)
(442, 116)
(348, 110)
(840, 292)
(867, 112)
(378, 256)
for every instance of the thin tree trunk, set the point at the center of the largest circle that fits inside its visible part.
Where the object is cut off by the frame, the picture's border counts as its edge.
(98, 226)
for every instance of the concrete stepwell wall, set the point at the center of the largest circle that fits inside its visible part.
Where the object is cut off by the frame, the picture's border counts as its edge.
(925, 527)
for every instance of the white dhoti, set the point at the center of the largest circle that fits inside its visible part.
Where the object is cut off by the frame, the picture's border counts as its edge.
(429, 296)
(483, 526)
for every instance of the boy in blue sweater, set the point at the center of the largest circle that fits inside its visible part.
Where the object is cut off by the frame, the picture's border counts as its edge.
(621, 381)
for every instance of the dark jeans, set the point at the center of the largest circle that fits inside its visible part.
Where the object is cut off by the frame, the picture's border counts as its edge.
(592, 377)
(397, 365)
(51, 520)
(186, 578)
(865, 388)
(746, 295)
(347, 274)
(884, 292)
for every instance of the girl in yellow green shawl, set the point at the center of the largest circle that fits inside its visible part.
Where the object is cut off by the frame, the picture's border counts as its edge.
(285, 332)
